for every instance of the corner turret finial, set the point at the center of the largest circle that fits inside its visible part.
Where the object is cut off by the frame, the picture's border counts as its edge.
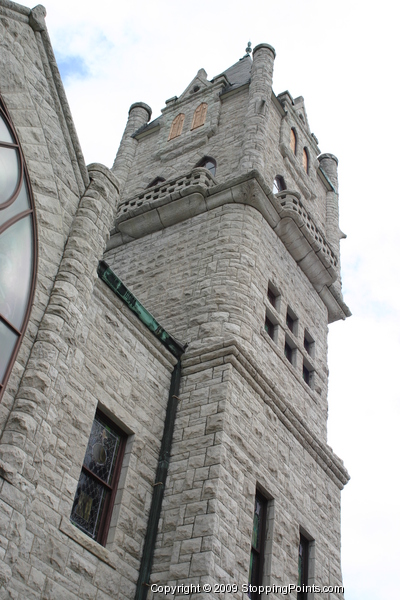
(248, 49)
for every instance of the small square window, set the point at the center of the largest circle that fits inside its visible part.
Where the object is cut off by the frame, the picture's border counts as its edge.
(308, 373)
(271, 324)
(291, 321)
(290, 350)
(273, 296)
(269, 327)
(97, 486)
(309, 344)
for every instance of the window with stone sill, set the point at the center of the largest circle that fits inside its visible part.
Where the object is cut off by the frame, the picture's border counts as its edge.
(273, 296)
(176, 127)
(199, 116)
(17, 246)
(291, 321)
(271, 324)
(98, 482)
(309, 344)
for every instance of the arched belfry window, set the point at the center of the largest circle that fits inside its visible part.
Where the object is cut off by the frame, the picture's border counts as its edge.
(293, 141)
(156, 181)
(208, 163)
(17, 246)
(199, 117)
(305, 160)
(279, 184)
(176, 127)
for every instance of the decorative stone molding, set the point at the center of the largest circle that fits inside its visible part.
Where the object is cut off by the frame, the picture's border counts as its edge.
(196, 192)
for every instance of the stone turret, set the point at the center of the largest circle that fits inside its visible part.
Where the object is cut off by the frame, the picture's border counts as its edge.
(259, 101)
(139, 115)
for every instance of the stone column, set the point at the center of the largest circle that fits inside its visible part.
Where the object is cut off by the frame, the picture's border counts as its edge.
(139, 115)
(27, 433)
(256, 132)
(329, 165)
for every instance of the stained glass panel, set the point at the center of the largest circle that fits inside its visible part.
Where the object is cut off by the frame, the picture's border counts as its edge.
(20, 204)
(8, 339)
(102, 449)
(5, 135)
(16, 256)
(88, 504)
(9, 173)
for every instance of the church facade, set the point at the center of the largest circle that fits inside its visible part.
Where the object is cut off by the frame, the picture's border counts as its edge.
(163, 341)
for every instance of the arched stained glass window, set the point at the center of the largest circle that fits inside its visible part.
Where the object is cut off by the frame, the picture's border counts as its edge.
(17, 246)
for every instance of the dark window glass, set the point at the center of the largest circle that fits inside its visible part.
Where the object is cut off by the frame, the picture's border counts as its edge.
(97, 486)
(156, 181)
(306, 375)
(288, 352)
(271, 297)
(289, 322)
(257, 545)
(208, 163)
(17, 246)
(269, 327)
(279, 184)
(303, 567)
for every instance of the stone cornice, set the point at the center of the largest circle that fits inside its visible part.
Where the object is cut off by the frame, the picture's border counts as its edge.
(197, 192)
(230, 351)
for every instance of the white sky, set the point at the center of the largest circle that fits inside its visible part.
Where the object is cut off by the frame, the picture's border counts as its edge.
(342, 58)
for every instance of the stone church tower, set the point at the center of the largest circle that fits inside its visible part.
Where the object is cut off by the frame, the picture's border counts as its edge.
(164, 401)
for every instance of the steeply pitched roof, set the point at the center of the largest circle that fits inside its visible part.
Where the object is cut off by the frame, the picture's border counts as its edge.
(239, 73)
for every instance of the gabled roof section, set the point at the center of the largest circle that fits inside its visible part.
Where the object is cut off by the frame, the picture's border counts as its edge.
(200, 82)
(238, 74)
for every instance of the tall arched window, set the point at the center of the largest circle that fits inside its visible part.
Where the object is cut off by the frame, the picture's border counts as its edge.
(199, 117)
(208, 163)
(17, 246)
(305, 160)
(293, 141)
(176, 127)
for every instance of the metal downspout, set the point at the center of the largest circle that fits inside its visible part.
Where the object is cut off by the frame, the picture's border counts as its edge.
(159, 486)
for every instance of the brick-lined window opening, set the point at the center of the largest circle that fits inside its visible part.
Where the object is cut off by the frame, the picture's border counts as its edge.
(97, 486)
(176, 127)
(17, 246)
(257, 545)
(199, 117)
